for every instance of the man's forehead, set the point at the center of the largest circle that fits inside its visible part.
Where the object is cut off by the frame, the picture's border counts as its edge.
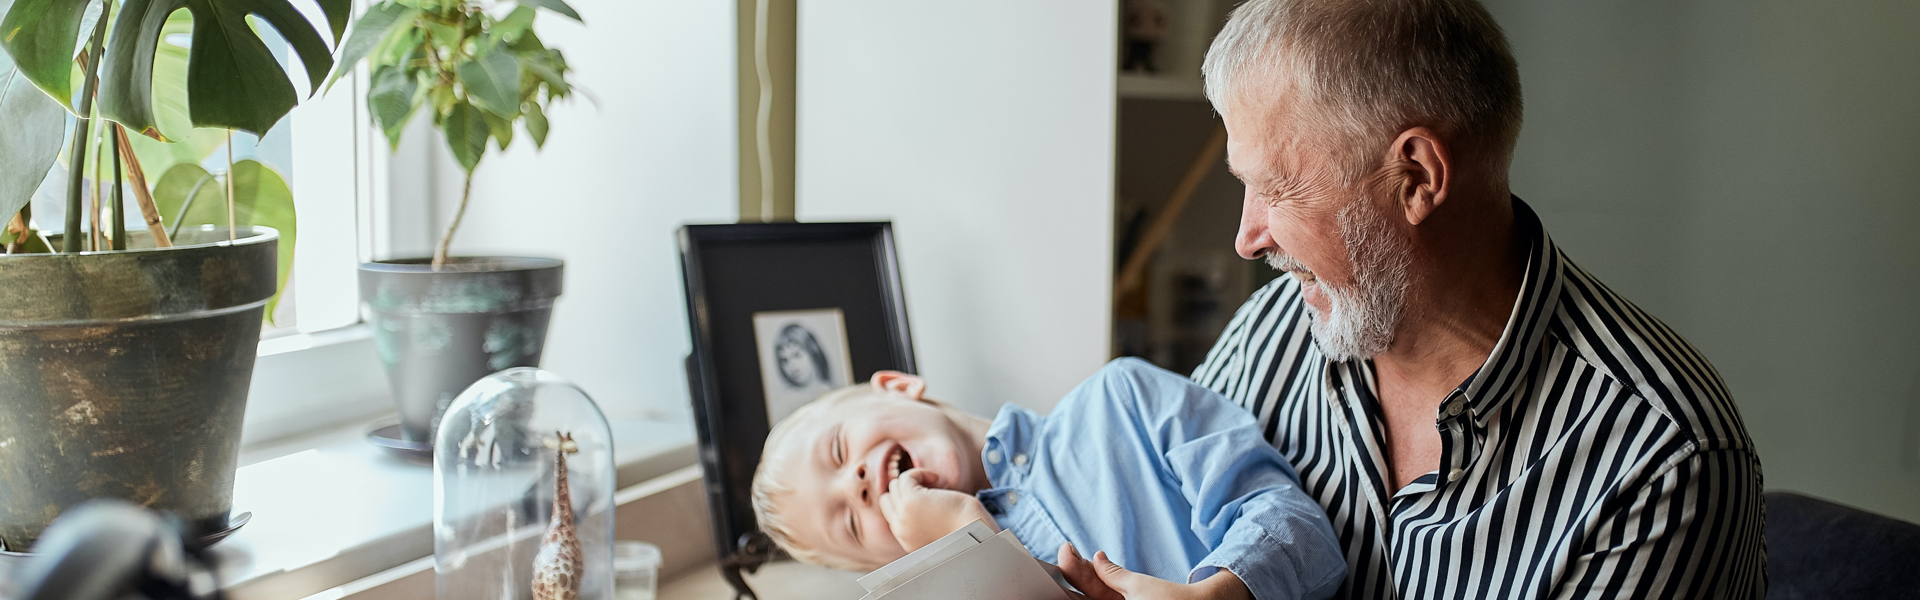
(1263, 146)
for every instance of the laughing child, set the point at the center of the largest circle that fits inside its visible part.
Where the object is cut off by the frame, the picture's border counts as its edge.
(1164, 476)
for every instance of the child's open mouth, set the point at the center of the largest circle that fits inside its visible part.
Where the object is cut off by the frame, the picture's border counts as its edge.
(898, 462)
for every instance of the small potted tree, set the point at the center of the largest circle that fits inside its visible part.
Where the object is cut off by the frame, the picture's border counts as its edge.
(442, 322)
(125, 356)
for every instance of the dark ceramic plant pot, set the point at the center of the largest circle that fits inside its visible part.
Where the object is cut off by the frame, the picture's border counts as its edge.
(124, 375)
(440, 331)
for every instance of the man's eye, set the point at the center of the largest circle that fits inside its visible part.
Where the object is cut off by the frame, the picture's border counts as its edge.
(853, 527)
(839, 452)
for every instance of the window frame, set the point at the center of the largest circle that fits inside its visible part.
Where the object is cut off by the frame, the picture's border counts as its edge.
(326, 371)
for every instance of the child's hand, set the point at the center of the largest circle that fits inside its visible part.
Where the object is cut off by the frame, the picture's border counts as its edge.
(1101, 579)
(920, 515)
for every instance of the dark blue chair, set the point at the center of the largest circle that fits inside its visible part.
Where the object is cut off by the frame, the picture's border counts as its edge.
(1820, 550)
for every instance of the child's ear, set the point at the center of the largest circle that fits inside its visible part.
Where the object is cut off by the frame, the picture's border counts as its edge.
(910, 386)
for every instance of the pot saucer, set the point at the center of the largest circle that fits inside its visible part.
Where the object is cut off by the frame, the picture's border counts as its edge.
(389, 438)
(234, 524)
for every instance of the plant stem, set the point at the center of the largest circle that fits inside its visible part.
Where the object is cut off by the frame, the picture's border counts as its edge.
(70, 240)
(119, 226)
(18, 225)
(230, 226)
(180, 216)
(446, 239)
(93, 237)
(138, 179)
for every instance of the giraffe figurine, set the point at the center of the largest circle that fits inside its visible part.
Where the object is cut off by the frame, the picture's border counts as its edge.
(558, 566)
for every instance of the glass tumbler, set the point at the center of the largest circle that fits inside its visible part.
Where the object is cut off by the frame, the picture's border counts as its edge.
(636, 570)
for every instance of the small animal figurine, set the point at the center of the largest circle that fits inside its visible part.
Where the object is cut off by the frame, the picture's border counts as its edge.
(558, 565)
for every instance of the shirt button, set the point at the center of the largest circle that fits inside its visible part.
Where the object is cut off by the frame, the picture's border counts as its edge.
(1456, 474)
(1020, 459)
(1013, 498)
(1457, 407)
(993, 456)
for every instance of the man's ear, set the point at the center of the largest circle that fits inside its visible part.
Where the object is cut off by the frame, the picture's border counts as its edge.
(1424, 166)
(911, 386)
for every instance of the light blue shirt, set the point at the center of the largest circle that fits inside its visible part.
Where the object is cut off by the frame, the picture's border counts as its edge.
(1166, 477)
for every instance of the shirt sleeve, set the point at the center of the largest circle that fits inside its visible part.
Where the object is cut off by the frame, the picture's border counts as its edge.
(1248, 507)
(1695, 531)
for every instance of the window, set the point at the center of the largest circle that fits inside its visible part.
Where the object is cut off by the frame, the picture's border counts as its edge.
(317, 365)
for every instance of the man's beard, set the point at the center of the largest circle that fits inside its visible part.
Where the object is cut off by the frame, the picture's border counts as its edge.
(1360, 322)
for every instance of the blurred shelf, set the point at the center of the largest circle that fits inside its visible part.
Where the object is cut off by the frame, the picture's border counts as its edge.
(1160, 87)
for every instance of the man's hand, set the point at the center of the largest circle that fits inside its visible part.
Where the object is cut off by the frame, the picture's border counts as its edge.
(1101, 579)
(920, 515)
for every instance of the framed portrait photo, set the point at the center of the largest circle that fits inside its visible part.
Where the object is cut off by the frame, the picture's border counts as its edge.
(780, 313)
(803, 354)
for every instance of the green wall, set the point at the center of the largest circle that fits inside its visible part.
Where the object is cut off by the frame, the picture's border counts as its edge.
(1749, 170)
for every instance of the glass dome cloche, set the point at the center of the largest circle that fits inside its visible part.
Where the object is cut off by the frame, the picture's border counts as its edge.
(507, 447)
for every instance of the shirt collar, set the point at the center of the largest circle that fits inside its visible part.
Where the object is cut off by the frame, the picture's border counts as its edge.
(1010, 436)
(1519, 344)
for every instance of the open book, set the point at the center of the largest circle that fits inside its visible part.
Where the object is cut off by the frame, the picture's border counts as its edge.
(970, 564)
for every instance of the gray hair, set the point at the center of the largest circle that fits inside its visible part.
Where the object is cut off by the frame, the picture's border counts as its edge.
(1365, 70)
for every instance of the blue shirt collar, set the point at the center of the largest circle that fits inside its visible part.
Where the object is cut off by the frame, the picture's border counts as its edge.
(1010, 436)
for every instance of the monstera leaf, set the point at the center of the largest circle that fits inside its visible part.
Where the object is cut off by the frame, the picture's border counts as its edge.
(186, 143)
(234, 82)
(31, 125)
(190, 197)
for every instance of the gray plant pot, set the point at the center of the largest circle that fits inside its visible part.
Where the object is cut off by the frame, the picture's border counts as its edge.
(124, 375)
(438, 332)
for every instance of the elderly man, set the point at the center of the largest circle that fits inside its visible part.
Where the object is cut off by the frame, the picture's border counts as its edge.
(1480, 417)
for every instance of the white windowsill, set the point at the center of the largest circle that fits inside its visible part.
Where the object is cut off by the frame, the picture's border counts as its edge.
(313, 382)
(329, 508)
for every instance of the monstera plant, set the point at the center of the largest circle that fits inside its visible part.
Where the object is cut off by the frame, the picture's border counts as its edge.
(480, 71)
(125, 357)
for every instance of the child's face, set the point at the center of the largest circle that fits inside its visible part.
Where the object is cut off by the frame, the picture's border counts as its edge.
(841, 462)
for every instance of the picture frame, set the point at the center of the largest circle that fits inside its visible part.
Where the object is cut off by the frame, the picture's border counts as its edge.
(815, 275)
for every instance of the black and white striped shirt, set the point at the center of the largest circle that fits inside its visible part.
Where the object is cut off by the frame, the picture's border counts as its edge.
(1595, 454)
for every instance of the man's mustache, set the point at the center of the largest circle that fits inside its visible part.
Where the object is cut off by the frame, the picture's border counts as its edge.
(1284, 262)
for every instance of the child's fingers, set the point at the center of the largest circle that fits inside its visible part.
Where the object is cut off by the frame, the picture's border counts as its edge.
(1117, 577)
(920, 477)
(1081, 574)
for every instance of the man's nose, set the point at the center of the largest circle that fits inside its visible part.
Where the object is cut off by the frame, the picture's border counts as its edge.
(1253, 240)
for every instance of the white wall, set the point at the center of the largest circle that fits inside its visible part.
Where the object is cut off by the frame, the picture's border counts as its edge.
(984, 131)
(651, 149)
(1743, 169)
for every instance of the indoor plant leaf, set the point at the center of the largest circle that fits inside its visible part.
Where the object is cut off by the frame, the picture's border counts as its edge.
(466, 134)
(515, 23)
(493, 80)
(181, 182)
(500, 129)
(234, 83)
(32, 130)
(368, 32)
(391, 100)
(337, 12)
(537, 124)
(260, 197)
(41, 35)
(186, 143)
(558, 6)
